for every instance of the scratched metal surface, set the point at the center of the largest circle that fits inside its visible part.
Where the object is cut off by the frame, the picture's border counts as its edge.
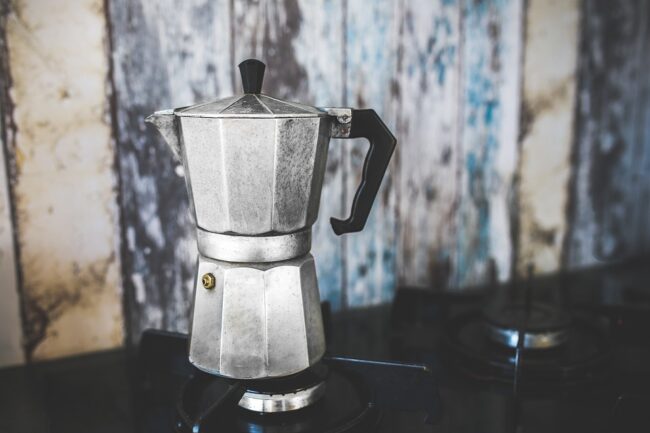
(523, 137)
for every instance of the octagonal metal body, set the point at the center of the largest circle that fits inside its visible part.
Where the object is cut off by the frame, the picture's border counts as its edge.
(253, 176)
(259, 320)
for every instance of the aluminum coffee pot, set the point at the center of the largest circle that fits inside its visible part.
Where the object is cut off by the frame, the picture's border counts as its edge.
(254, 168)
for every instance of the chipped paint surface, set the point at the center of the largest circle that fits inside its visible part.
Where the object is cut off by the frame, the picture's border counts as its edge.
(611, 191)
(547, 130)
(371, 42)
(490, 173)
(166, 54)
(65, 184)
(491, 52)
(427, 85)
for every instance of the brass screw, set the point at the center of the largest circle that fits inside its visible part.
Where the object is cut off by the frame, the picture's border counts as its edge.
(208, 281)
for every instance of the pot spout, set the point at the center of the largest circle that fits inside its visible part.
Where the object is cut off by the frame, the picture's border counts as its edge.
(165, 121)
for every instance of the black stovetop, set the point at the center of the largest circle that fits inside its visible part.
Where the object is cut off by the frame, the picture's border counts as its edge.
(601, 383)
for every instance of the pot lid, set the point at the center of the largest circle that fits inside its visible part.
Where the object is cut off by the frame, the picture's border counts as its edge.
(252, 103)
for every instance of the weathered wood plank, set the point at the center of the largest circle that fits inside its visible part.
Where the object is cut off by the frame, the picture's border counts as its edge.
(165, 54)
(64, 183)
(301, 44)
(11, 350)
(371, 49)
(489, 98)
(609, 212)
(547, 131)
(427, 129)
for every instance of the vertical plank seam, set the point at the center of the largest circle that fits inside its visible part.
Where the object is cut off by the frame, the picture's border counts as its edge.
(574, 156)
(112, 103)
(233, 72)
(344, 157)
(515, 205)
(639, 134)
(397, 177)
(8, 129)
(453, 276)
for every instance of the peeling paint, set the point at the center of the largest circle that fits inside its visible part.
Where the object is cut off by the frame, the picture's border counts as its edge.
(548, 94)
(166, 54)
(64, 185)
(491, 52)
(609, 214)
(371, 44)
(428, 74)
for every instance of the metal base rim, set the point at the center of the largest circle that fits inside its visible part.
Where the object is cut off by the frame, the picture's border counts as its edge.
(532, 340)
(274, 403)
(259, 249)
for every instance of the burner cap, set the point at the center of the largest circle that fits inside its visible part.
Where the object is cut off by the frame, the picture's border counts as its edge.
(272, 403)
(542, 326)
(583, 358)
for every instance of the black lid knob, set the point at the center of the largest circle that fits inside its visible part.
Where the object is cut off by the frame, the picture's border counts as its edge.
(252, 75)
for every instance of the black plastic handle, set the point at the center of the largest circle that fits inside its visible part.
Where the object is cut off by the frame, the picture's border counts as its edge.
(367, 124)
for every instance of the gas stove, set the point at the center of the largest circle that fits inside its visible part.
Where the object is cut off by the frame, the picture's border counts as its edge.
(563, 353)
(567, 353)
(339, 394)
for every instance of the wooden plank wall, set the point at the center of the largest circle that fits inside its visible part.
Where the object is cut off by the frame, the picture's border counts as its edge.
(63, 181)
(523, 129)
(610, 208)
(546, 132)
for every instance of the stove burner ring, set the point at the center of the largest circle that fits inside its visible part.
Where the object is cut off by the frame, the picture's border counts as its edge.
(272, 403)
(542, 326)
(532, 340)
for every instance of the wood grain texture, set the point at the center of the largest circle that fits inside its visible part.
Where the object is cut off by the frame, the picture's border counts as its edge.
(610, 213)
(11, 350)
(301, 44)
(63, 179)
(490, 70)
(547, 131)
(371, 48)
(427, 84)
(166, 54)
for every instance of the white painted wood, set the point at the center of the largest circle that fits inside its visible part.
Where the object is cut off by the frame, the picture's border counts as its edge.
(11, 350)
(65, 184)
(549, 90)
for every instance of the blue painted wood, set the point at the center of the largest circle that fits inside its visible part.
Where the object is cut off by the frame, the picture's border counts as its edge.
(425, 88)
(370, 47)
(490, 54)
